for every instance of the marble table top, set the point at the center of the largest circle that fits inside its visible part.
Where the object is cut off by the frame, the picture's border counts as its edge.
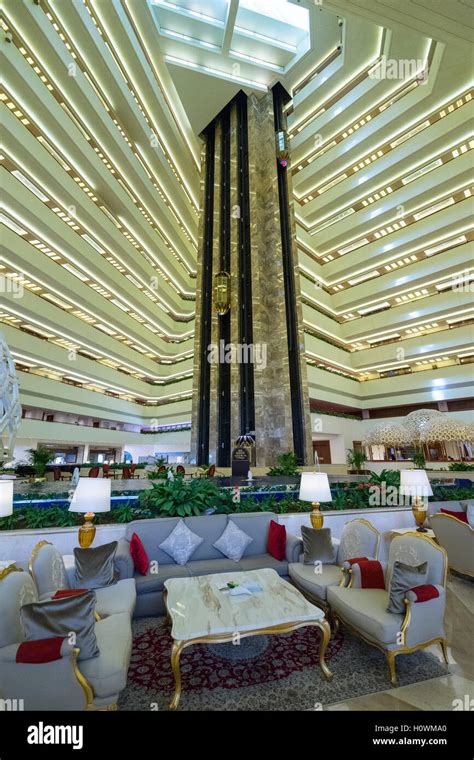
(198, 608)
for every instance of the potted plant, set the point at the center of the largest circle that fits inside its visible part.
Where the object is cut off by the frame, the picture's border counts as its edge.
(356, 459)
(39, 458)
(419, 460)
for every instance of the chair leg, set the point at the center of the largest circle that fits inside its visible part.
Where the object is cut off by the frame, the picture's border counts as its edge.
(391, 666)
(444, 648)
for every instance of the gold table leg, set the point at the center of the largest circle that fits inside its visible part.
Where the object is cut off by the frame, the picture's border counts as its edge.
(175, 655)
(326, 631)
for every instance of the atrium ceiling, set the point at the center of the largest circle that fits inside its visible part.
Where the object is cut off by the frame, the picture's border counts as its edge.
(102, 107)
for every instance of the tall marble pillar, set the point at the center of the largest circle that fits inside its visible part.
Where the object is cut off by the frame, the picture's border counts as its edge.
(250, 373)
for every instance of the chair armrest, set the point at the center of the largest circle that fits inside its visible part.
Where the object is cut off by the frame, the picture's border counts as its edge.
(294, 547)
(56, 685)
(423, 621)
(123, 561)
(355, 576)
(8, 653)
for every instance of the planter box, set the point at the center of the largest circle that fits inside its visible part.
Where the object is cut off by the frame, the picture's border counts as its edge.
(17, 545)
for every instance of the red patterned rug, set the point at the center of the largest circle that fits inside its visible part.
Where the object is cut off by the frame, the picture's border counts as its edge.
(262, 672)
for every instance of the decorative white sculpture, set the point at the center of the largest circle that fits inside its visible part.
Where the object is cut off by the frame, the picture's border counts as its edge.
(10, 408)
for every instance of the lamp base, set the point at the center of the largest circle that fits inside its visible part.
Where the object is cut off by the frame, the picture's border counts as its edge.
(421, 530)
(87, 531)
(316, 516)
(420, 514)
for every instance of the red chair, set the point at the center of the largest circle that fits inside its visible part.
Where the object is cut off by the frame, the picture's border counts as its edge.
(57, 473)
(211, 471)
(94, 472)
(126, 474)
(162, 468)
(106, 470)
(133, 467)
(180, 470)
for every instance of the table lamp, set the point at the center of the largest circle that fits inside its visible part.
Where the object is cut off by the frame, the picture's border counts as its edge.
(314, 487)
(6, 498)
(415, 483)
(91, 495)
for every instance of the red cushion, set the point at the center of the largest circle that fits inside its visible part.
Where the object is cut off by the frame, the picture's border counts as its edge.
(356, 560)
(62, 593)
(276, 542)
(41, 650)
(371, 574)
(139, 555)
(425, 593)
(460, 515)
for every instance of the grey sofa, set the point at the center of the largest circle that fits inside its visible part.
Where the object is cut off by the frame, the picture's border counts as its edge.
(205, 560)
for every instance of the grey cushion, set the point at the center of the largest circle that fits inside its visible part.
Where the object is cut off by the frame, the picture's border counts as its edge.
(210, 528)
(181, 543)
(260, 561)
(304, 578)
(108, 672)
(154, 581)
(403, 578)
(95, 567)
(365, 610)
(317, 545)
(233, 541)
(61, 617)
(255, 525)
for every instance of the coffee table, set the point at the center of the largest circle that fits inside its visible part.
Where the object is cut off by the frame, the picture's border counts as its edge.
(202, 614)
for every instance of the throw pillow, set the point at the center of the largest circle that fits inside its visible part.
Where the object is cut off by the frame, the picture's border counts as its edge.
(61, 617)
(404, 577)
(139, 555)
(276, 542)
(233, 542)
(95, 567)
(460, 515)
(181, 543)
(317, 545)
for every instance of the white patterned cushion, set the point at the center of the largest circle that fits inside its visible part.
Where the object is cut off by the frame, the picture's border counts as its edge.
(181, 543)
(233, 542)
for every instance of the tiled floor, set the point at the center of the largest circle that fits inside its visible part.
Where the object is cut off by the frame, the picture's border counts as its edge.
(437, 693)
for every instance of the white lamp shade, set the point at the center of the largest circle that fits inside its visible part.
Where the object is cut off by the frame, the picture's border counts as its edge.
(6, 498)
(91, 495)
(415, 483)
(314, 486)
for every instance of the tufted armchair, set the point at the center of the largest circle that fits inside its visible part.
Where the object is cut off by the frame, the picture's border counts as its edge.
(359, 539)
(457, 537)
(50, 574)
(364, 609)
(62, 683)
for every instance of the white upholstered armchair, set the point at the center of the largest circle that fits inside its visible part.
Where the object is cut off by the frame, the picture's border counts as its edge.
(457, 537)
(359, 538)
(364, 609)
(55, 685)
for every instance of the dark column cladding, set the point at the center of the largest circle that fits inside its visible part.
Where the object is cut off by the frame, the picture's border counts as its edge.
(224, 400)
(297, 414)
(247, 399)
(202, 453)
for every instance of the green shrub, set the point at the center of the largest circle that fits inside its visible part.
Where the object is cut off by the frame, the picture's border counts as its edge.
(286, 464)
